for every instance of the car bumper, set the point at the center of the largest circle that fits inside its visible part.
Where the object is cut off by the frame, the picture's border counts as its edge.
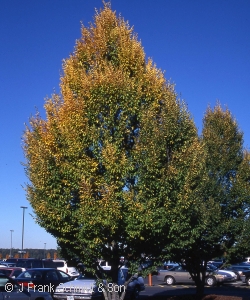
(228, 280)
(64, 296)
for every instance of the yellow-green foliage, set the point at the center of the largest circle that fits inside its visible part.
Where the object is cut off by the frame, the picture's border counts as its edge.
(117, 152)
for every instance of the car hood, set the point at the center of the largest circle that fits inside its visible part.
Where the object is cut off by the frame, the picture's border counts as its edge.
(81, 283)
(223, 272)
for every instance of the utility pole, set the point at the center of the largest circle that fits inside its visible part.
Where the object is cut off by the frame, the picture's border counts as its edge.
(23, 207)
(11, 231)
(44, 250)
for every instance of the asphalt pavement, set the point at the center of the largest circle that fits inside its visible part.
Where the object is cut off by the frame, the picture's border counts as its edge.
(160, 289)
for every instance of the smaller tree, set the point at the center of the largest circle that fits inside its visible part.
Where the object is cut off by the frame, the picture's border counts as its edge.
(219, 214)
(240, 249)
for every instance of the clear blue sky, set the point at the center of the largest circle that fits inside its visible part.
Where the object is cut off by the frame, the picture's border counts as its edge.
(203, 46)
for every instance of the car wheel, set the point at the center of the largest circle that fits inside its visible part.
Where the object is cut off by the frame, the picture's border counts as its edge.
(210, 281)
(169, 280)
(248, 280)
(135, 294)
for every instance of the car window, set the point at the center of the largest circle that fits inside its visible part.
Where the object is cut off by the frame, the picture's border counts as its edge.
(36, 275)
(59, 264)
(24, 264)
(37, 264)
(49, 264)
(179, 268)
(3, 281)
(51, 275)
(26, 274)
(16, 273)
(63, 275)
(6, 272)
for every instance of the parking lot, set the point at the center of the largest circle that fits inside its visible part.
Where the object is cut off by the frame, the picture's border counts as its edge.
(158, 288)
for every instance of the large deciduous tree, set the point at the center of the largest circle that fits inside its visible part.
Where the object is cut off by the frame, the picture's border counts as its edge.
(117, 157)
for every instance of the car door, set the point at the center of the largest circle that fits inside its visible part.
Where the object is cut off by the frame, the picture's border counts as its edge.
(9, 290)
(181, 275)
(51, 280)
(15, 294)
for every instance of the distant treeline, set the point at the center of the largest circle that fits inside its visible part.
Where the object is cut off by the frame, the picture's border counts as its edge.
(29, 253)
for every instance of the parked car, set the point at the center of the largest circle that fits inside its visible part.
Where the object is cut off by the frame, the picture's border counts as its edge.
(7, 264)
(30, 263)
(104, 265)
(12, 260)
(180, 275)
(237, 269)
(243, 264)
(49, 278)
(232, 276)
(87, 287)
(10, 290)
(217, 262)
(245, 277)
(11, 272)
(65, 267)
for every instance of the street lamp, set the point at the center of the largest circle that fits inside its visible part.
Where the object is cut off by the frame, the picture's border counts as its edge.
(23, 207)
(11, 231)
(44, 250)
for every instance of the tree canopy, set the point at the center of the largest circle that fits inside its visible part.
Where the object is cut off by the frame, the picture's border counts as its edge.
(216, 223)
(113, 154)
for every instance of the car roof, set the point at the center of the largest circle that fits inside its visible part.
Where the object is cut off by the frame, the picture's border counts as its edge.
(41, 269)
(10, 268)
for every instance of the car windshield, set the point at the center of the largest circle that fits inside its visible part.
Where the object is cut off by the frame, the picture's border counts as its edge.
(31, 274)
(211, 267)
(6, 272)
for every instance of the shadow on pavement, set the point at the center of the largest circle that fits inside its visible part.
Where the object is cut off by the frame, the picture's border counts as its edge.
(154, 292)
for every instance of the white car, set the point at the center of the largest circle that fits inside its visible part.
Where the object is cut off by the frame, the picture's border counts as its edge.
(86, 287)
(63, 266)
(104, 265)
(10, 290)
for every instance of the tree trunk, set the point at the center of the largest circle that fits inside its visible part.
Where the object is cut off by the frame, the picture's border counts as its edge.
(200, 288)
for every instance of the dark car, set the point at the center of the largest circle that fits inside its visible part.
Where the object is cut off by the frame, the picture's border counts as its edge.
(245, 277)
(45, 279)
(30, 263)
(217, 263)
(243, 264)
(12, 260)
(11, 272)
(7, 264)
(10, 290)
(237, 269)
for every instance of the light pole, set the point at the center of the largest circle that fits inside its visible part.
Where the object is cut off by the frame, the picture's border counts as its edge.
(44, 250)
(23, 207)
(11, 231)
